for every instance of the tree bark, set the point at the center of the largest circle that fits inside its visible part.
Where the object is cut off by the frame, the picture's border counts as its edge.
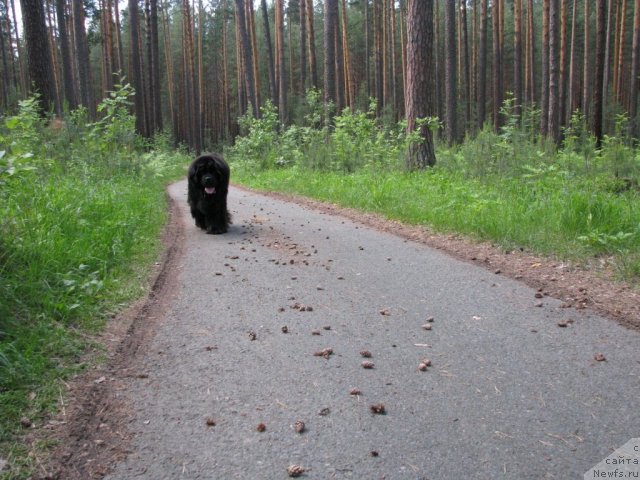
(598, 71)
(544, 88)
(635, 72)
(482, 65)
(419, 102)
(273, 90)
(38, 52)
(450, 72)
(67, 72)
(330, 22)
(554, 72)
(82, 57)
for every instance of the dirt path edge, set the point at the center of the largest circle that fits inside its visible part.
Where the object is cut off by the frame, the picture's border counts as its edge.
(91, 429)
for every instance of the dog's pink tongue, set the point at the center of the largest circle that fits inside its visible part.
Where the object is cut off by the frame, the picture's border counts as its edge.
(210, 190)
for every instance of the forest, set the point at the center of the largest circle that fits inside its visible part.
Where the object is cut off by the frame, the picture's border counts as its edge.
(512, 122)
(203, 64)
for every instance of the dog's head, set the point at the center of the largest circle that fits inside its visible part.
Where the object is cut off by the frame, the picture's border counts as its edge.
(210, 174)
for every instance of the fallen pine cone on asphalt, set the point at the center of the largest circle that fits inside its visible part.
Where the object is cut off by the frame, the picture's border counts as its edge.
(326, 353)
(367, 365)
(295, 470)
(299, 426)
(378, 409)
(366, 354)
(261, 427)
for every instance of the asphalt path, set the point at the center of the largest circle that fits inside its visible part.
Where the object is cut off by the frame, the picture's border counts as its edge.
(508, 393)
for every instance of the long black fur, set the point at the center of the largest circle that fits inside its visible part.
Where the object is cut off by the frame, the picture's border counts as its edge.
(209, 209)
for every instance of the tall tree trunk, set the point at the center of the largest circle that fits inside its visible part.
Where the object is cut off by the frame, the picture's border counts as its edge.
(169, 64)
(82, 58)
(377, 53)
(419, 99)
(313, 65)
(249, 81)
(497, 66)
(136, 66)
(544, 88)
(367, 48)
(562, 82)
(482, 65)
(273, 89)
(251, 28)
(281, 77)
(155, 67)
(620, 56)
(517, 55)
(348, 76)
(38, 52)
(330, 22)
(635, 71)
(67, 73)
(303, 46)
(450, 72)
(554, 72)
(467, 69)
(107, 45)
(530, 76)
(55, 63)
(598, 70)
(586, 64)
(340, 81)
(607, 56)
(573, 77)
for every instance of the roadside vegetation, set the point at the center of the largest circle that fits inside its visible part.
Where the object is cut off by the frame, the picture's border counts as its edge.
(512, 188)
(82, 205)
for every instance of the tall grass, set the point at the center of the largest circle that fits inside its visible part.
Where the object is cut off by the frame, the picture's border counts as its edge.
(81, 208)
(511, 187)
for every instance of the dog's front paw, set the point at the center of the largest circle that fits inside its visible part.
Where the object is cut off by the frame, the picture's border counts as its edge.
(216, 230)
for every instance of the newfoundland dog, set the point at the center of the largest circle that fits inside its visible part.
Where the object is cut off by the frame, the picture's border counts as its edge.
(208, 187)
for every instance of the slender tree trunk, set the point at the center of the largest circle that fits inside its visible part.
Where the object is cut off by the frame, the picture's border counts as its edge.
(517, 55)
(393, 63)
(420, 85)
(312, 45)
(303, 46)
(367, 47)
(169, 63)
(248, 79)
(377, 52)
(562, 86)
(67, 73)
(450, 72)
(55, 63)
(497, 66)
(573, 78)
(620, 57)
(635, 72)
(82, 58)
(136, 64)
(530, 77)
(467, 69)
(544, 89)
(348, 76)
(330, 22)
(155, 72)
(38, 52)
(251, 27)
(599, 70)
(340, 81)
(273, 90)
(586, 82)
(554, 72)
(607, 56)
(280, 60)
(119, 57)
(482, 65)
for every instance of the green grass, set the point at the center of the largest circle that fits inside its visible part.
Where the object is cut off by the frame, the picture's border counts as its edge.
(510, 188)
(555, 216)
(80, 224)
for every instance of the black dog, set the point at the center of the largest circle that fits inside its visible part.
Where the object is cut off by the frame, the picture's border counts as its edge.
(207, 195)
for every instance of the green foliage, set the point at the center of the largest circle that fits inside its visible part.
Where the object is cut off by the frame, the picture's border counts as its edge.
(355, 140)
(81, 205)
(511, 187)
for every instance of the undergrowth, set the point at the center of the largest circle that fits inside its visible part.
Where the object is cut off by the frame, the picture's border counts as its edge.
(511, 187)
(81, 207)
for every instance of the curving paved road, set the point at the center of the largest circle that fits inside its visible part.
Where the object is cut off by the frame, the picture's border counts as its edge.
(509, 394)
